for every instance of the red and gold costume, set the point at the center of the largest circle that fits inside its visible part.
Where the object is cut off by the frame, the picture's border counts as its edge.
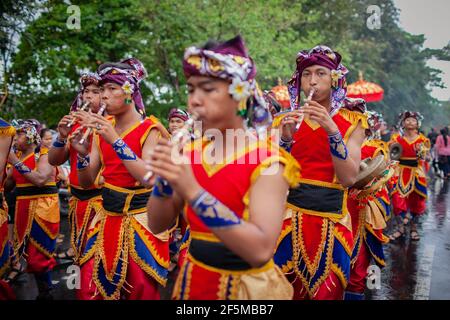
(128, 260)
(410, 192)
(6, 130)
(316, 242)
(210, 270)
(37, 218)
(83, 206)
(370, 210)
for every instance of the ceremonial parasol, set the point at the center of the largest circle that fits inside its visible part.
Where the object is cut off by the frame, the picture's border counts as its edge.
(370, 92)
(281, 94)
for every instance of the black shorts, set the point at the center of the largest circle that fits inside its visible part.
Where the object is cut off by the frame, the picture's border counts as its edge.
(10, 198)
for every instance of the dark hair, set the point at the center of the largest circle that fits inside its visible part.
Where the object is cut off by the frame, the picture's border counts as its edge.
(210, 44)
(444, 132)
(44, 131)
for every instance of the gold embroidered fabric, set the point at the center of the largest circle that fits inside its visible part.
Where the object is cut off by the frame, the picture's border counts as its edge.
(267, 285)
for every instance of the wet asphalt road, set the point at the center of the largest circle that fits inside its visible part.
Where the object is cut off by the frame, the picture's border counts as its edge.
(416, 270)
(419, 270)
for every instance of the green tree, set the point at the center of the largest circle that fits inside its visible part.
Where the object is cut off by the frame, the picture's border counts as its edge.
(51, 57)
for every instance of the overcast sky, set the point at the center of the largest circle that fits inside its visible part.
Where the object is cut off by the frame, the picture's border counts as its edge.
(431, 18)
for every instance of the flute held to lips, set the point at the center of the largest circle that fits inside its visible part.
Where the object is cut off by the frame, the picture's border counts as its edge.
(308, 99)
(84, 107)
(177, 138)
(289, 111)
(311, 93)
(89, 130)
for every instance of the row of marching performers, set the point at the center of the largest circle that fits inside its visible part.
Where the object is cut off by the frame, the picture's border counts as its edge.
(275, 218)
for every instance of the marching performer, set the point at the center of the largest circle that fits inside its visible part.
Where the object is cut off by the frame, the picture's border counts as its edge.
(179, 239)
(84, 203)
(234, 202)
(410, 193)
(316, 242)
(128, 261)
(370, 210)
(177, 118)
(7, 133)
(36, 223)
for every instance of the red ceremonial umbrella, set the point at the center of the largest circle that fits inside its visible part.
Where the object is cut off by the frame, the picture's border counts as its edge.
(281, 94)
(370, 92)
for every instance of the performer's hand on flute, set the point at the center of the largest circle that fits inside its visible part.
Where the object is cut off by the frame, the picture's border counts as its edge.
(167, 162)
(84, 107)
(84, 118)
(93, 116)
(75, 137)
(103, 128)
(63, 128)
(318, 113)
(289, 123)
(178, 140)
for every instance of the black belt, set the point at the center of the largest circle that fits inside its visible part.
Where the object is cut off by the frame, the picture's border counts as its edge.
(1, 198)
(216, 254)
(116, 201)
(35, 191)
(317, 198)
(83, 195)
(409, 162)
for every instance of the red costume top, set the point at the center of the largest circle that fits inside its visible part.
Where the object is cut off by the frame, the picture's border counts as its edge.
(6, 130)
(40, 204)
(410, 173)
(123, 234)
(113, 170)
(204, 275)
(31, 162)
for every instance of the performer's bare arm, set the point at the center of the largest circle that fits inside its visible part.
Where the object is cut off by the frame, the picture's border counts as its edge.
(43, 173)
(346, 162)
(86, 176)
(138, 168)
(163, 212)
(347, 170)
(253, 240)
(5, 144)
(135, 165)
(9, 182)
(57, 156)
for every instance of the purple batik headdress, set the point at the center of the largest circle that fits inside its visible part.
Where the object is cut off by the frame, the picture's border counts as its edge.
(410, 114)
(31, 128)
(128, 73)
(86, 79)
(323, 56)
(230, 61)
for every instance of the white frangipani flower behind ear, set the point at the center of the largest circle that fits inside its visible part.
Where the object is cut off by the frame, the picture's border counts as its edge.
(239, 89)
(127, 88)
